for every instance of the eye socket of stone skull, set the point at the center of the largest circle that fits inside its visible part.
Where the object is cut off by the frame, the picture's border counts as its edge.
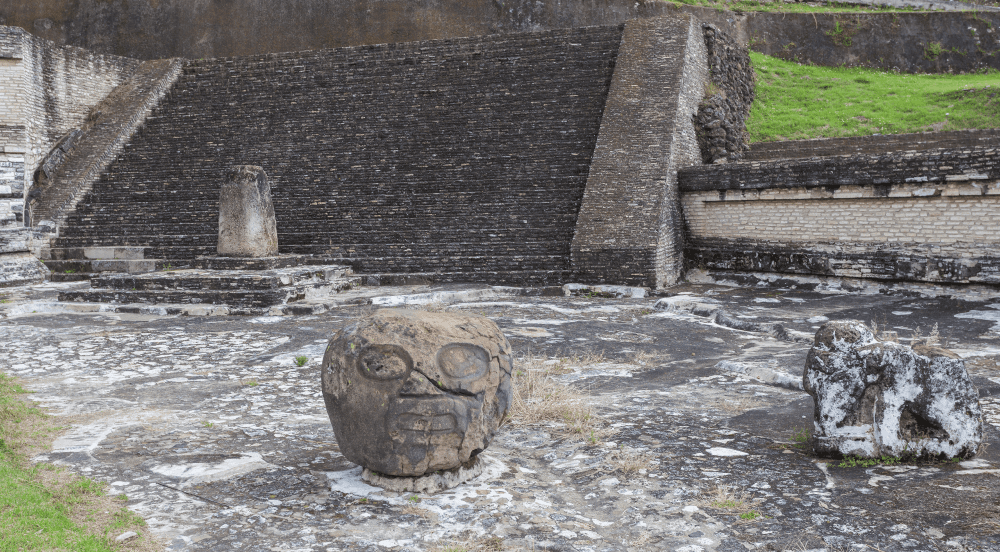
(463, 361)
(384, 362)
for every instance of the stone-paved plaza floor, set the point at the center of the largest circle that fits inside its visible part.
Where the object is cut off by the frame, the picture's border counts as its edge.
(221, 441)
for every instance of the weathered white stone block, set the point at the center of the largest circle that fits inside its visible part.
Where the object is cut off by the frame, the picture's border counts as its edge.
(247, 227)
(876, 398)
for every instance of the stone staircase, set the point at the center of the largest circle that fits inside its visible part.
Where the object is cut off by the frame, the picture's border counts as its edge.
(78, 160)
(379, 157)
(86, 262)
(242, 291)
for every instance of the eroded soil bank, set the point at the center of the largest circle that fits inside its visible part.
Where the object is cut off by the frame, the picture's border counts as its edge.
(222, 442)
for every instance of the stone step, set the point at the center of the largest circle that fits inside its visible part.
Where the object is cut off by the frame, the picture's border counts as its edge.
(237, 298)
(134, 266)
(223, 280)
(96, 252)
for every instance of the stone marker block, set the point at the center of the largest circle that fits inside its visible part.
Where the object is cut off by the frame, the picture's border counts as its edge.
(411, 392)
(247, 226)
(881, 398)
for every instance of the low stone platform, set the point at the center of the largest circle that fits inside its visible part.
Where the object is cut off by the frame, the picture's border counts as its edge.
(18, 266)
(256, 290)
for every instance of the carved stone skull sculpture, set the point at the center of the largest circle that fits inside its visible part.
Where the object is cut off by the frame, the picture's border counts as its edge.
(411, 392)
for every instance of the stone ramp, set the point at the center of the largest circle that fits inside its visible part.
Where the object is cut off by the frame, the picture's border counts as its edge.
(112, 123)
(455, 156)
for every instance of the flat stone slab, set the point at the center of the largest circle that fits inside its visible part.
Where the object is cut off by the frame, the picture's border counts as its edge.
(221, 441)
(256, 263)
(21, 268)
(224, 280)
(14, 240)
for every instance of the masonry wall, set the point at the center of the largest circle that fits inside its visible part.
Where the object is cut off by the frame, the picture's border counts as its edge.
(629, 227)
(922, 216)
(882, 143)
(153, 29)
(455, 156)
(45, 92)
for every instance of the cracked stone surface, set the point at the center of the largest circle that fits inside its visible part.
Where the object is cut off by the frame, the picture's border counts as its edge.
(221, 441)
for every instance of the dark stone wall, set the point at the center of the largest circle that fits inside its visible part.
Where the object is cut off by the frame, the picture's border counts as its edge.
(940, 165)
(721, 121)
(461, 156)
(897, 262)
(882, 143)
(923, 42)
(152, 29)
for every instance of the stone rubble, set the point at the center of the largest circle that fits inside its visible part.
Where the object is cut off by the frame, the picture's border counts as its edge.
(881, 398)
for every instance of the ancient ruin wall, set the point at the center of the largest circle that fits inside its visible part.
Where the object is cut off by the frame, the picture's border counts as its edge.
(45, 92)
(881, 143)
(154, 29)
(721, 123)
(464, 155)
(922, 216)
(629, 227)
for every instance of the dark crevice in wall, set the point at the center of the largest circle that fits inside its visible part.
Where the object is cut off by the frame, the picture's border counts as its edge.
(720, 124)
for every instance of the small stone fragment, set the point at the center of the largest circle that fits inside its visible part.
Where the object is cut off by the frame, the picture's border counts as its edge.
(247, 227)
(876, 398)
(411, 392)
(126, 536)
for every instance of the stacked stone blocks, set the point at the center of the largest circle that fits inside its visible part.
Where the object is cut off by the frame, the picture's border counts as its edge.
(629, 227)
(465, 156)
(919, 216)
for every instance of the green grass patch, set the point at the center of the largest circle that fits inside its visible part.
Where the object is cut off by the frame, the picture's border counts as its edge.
(855, 462)
(45, 507)
(797, 102)
(793, 7)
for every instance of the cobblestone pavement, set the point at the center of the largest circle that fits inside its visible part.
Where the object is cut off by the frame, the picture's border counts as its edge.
(221, 442)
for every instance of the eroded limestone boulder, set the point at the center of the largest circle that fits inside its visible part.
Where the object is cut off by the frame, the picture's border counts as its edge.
(247, 227)
(876, 398)
(410, 392)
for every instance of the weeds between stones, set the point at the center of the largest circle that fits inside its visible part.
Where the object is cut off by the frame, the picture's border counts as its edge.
(629, 461)
(301, 360)
(537, 397)
(730, 499)
(45, 507)
(488, 544)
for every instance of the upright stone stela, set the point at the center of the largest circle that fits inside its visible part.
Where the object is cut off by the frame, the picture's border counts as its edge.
(247, 227)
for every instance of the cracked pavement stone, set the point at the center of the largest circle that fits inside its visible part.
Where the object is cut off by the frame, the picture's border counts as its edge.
(221, 442)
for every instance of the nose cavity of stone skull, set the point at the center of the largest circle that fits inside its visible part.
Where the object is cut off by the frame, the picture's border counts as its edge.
(417, 385)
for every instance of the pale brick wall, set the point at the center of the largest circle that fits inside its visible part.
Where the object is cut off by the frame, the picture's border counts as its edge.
(909, 213)
(46, 91)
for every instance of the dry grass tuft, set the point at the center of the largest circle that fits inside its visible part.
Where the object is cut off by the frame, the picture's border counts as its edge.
(629, 461)
(488, 544)
(412, 510)
(538, 397)
(647, 360)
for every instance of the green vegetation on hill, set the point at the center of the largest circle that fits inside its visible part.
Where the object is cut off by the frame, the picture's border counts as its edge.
(797, 102)
(43, 507)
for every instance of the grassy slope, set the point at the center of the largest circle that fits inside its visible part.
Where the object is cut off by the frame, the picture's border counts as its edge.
(44, 507)
(795, 102)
